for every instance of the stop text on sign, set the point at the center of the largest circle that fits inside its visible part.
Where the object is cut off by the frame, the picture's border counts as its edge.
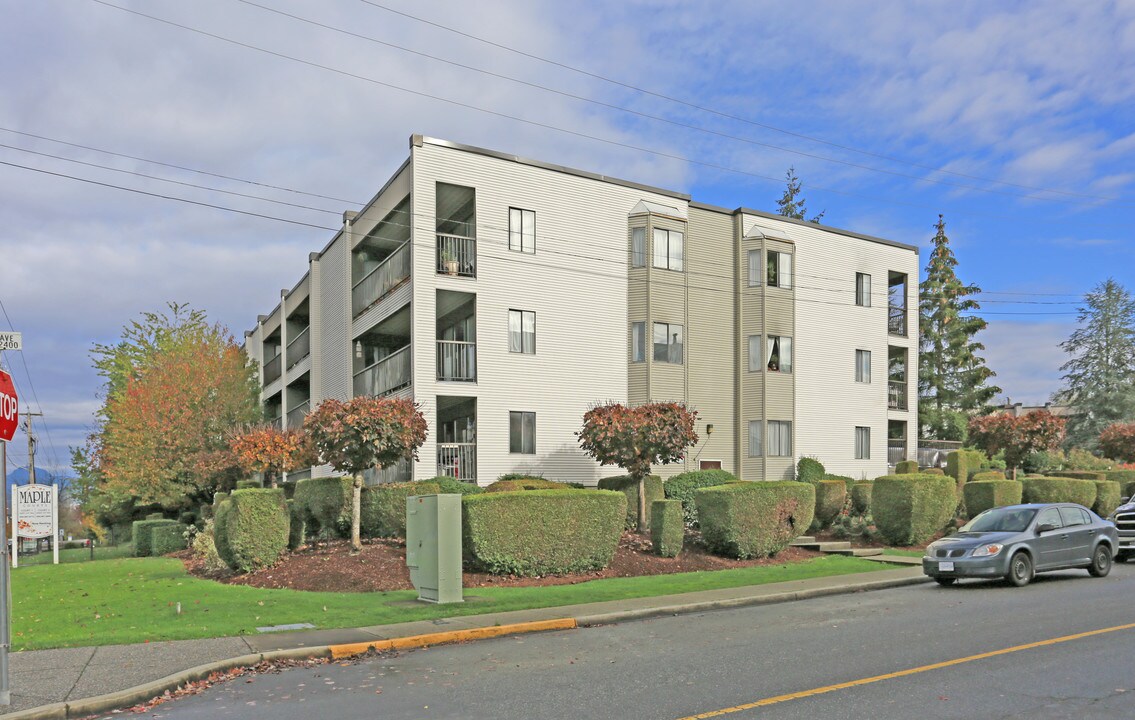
(8, 407)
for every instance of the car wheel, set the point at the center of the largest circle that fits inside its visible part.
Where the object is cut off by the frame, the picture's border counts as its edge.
(1020, 570)
(944, 581)
(1101, 561)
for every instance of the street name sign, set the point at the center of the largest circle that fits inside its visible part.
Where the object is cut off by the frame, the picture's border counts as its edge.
(11, 341)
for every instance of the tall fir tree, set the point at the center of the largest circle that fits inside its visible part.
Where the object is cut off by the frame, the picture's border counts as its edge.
(1099, 380)
(952, 376)
(791, 204)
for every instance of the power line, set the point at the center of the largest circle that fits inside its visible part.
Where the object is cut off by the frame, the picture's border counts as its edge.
(31, 385)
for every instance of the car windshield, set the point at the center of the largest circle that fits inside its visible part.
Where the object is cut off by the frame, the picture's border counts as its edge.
(1001, 520)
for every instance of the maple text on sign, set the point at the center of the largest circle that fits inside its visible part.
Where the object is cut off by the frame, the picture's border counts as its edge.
(35, 506)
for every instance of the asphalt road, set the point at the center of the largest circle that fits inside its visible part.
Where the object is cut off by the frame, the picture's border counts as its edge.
(903, 653)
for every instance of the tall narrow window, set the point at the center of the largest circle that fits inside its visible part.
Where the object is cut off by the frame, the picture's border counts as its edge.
(755, 363)
(638, 342)
(668, 343)
(754, 268)
(862, 289)
(862, 443)
(522, 332)
(779, 438)
(779, 353)
(863, 366)
(638, 247)
(755, 447)
(668, 249)
(521, 230)
(779, 270)
(522, 433)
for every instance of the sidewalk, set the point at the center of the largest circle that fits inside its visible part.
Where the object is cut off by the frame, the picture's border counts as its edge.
(75, 682)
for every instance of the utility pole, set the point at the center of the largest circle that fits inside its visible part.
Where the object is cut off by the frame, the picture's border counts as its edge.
(31, 444)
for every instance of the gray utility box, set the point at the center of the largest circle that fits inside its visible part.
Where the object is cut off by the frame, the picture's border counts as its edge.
(433, 546)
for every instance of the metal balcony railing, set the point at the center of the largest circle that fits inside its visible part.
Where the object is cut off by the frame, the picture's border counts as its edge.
(896, 451)
(456, 360)
(377, 284)
(896, 320)
(385, 376)
(458, 460)
(456, 255)
(297, 414)
(896, 395)
(277, 422)
(272, 369)
(299, 347)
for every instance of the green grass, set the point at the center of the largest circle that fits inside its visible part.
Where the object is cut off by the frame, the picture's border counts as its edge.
(135, 600)
(76, 555)
(905, 553)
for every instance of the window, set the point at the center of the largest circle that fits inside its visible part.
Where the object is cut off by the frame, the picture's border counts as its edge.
(668, 343)
(754, 268)
(863, 366)
(755, 448)
(862, 443)
(754, 353)
(862, 289)
(522, 332)
(779, 269)
(779, 354)
(638, 247)
(522, 433)
(522, 230)
(779, 438)
(1074, 516)
(668, 249)
(1050, 516)
(638, 342)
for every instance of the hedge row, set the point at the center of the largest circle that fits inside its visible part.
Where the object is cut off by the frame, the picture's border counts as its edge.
(960, 464)
(667, 527)
(987, 475)
(1058, 489)
(981, 495)
(629, 486)
(512, 484)
(906, 467)
(683, 486)
(325, 506)
(909, 509)
(251, 528)
(1078, 474)
(1108, 493)
(382, 508)
(830, 498)
(861, 497)
(754, 519)
(142, 532)
(165, 539)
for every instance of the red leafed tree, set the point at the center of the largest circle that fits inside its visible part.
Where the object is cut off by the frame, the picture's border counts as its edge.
(366, 432)
(1117, 441)
(635, 438)
(268, 449)
(1017, 436)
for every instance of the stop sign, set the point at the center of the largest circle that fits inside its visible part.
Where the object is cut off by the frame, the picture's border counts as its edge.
(9, 410)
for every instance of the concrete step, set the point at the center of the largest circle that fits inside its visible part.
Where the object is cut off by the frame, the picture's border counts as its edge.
(857, 552)
(830, 546)
(803, 539)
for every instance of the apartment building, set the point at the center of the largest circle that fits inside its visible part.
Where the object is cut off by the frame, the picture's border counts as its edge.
(506, 296)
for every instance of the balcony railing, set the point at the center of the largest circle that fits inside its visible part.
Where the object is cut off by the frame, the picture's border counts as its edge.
(896, 395)
(456, 360)
(377, 284)
(456, 255)
(297, 414)
(389, 374)
(896, 451)
(896, 320)
(932, 453)
(458, 460)
(272, 369)
(277, 422)
(299, 347)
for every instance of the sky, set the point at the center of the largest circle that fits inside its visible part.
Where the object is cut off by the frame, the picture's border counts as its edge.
(164, 151)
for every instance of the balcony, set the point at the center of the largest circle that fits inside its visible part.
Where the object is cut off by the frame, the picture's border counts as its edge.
(457, 460)
(896, 395)
(299, 347)
(272, 369)
(457, 360)
(388, 375)
(896, 451)
(896, 320)
(456, 255)
(277, 422)
(297, 414)
(379, 282)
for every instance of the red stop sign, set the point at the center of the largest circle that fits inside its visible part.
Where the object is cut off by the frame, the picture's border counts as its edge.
(9, 409)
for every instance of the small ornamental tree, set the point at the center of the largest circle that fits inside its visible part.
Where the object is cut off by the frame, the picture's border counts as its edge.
(635, 438)
(366, 432)
(1016, 436)
(1117, 441)
(268, 449)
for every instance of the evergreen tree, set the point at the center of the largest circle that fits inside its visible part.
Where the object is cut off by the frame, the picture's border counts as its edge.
(791, 204)
(1099, 380)
(952, 377)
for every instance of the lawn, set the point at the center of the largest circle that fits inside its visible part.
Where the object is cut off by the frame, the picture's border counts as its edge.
(904, 553)
(74, 555)
(134, 600)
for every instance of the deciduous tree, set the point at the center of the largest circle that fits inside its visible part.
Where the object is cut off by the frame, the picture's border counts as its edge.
(1117, 441)
(1016, 436)
(268, 449)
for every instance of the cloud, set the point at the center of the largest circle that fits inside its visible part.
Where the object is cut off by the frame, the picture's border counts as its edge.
(1026, 357)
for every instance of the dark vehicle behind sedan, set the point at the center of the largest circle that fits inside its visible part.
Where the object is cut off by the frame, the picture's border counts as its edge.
(1017, 541)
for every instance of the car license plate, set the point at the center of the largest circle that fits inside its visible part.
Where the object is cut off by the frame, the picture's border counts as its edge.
(945, 566)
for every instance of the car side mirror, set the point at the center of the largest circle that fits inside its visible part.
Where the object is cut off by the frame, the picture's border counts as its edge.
(1045, 527)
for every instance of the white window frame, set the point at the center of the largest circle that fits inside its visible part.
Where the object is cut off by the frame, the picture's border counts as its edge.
(756, 268)
(638, 247)
(863, 366)
(670, 343)
(756, 356)
(779, 438)
(638, 342)
(862, 442)
(863, 289)
(782, 345)
(521, 339)
(522, 230)
(669, 249)
(783, 264)
(527, 428)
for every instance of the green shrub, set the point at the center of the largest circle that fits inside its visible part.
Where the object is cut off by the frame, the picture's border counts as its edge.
(143, 531)
(205, 512)
(934, 471)
(960, 462)
(247, 484)
(1129, 489)
(985, 475)
(205, 549)
(187, 518)
(1080, 459)
(538, 532)
(910, 509)
(667, 527)
(382, 510)
(830, 498)
(682, 486)
(251, 528)
(165, 539)
(521, 476)
(809, 470)
(513, 482)
(754, 519)
(1079, 474)
(906, 467)
(1108, 493)
(296, 529)
(219, 498)
(1123, 477)
(325, 505)
(861, 497)
(1058, 489)
(629, 487)
(504, 486)
(980, 495)
(155, 516)
(848, 481)
(452, 486)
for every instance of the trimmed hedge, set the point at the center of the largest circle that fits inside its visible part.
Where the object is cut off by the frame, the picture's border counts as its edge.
(1123, 477)
(981, 495)
(667, 527)
(906, 467)
(142, 532)
(247, 484)
(934, 471)
(988, 475)
(1059, 489)
(861, 497)
(452, 486)
(682, 486)
(165, 539)
(325, 505)
(629, 487)
(1108, 493)
(295, 524)
(830, 498)
(754, 519)
(251, 528)
(382, 511)
(809, 470)
(512, 484)
(1078, 474)
(537, 532)
(960, 465)
(910, 509)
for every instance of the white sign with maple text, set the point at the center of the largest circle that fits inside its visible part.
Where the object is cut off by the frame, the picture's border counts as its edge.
(35, 514)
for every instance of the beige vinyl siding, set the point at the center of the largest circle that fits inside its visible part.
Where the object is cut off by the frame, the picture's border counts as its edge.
(638, 310)
(335, 309)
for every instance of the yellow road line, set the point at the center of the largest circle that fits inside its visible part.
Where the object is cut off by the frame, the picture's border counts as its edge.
(903, 673)
(451, 636)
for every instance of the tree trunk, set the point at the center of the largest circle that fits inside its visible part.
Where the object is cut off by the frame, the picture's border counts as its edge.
(272, 480)
(356, 510)
(642, 528)
(1013, 474)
